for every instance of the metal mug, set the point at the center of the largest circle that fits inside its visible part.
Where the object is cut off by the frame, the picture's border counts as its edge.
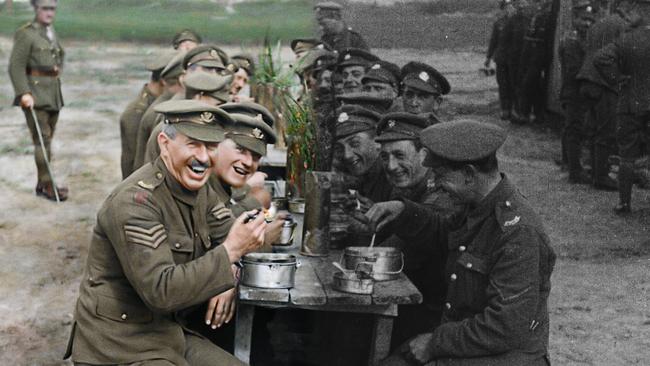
(288, 231)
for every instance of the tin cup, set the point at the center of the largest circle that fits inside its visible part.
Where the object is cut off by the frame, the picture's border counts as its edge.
(288, 231)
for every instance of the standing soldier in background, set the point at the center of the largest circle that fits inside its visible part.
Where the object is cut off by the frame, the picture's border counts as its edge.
(626, 63)
(34, 68)
(535, 59)
(497, 52)
(572, 55)
(336, 35)
(602, 97)
(185, 40)
(130, 118)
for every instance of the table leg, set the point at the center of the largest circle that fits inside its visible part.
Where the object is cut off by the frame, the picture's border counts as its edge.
(380, 344)
(244, 332)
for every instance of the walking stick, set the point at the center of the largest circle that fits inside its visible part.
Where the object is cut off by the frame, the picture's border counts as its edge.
(47, 163)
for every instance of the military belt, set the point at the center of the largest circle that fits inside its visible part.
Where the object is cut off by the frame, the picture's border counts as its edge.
(50, 73)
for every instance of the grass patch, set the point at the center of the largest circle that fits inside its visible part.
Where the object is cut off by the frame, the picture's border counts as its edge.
(158, 21)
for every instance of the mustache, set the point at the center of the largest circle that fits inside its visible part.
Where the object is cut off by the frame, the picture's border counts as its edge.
(195, 163)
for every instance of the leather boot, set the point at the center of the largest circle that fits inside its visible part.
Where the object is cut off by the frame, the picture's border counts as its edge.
(46, 190)
(576, 173)
(625, 181)
(601, 169)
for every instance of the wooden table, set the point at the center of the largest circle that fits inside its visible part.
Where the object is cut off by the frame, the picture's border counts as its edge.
(313, 291)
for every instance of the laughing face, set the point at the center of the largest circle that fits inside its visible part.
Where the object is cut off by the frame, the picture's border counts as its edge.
(234, 164)
(403, 163)
(358, 152)
(187, 159)
(352, 76)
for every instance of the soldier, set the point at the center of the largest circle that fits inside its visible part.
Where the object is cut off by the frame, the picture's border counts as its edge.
(572, 54)
(208, 88)
(422, 89)
(308, 67)
(186, 40)
(335, 34)
(150, 255)
(371, 101)
(170, 75)
(300, 46)
(402, 156)
(514, 32)
(498, 258)
(625, 63)
(497, 52)
(130, 118)
(602, 97)
(352, 64)
(240, 87)
(383, 78)
(34, 67)
(359, 153)
(535, 59)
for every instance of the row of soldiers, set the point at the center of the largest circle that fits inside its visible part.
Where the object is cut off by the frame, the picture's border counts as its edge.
(604, 93)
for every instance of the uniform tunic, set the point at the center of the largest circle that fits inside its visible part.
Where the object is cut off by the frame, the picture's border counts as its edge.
(346, 39)
(147, 123)
(497, 51)
(149, 258)
(129, 123)
(498, 268)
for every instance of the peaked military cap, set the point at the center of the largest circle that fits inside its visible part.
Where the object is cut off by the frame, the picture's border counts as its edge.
(216, 86)
(244, 61)
(383, 72)
(251, 109)
(355, 57)
(174, 68)
(206, 56)
(328, 9)
(425, 78)
(304, 44)
(400, 126)
(370, 101)
(251, 132)
(463, 140)
(351, 119)
(185, 35)
(195, 119)
(158, 62)
(317, 59)
(44, 3)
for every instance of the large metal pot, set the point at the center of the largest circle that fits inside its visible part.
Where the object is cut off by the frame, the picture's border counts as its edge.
(269, 270)
(387, 263)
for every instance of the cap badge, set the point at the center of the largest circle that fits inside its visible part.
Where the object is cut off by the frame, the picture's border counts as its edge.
(207, 117)
(347, 56)
(214, 54)
(319, 62)
(231, 67)
(258, 133)
(320, 47)
(424, 76)
(343, 117)
(376, 67)
(589, 9)
(391, 123)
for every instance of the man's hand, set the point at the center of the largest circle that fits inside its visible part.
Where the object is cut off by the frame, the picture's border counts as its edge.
(245, 237)
(419, 348)
(274, 229)
(364, 204)
(27, 101)
(221, 308)
(359, 223)
(383, 213)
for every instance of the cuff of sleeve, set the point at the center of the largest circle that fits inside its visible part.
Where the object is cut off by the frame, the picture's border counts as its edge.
(222, 274)
(411, 220)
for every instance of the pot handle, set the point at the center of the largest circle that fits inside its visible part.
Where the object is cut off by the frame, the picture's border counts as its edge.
(298, 263)
(400, 269)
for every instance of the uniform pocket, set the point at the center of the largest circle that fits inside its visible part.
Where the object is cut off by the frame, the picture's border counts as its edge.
(472, 277)
(182, 247)
(123, 311)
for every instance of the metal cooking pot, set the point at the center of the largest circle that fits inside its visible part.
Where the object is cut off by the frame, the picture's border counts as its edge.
(387, 263)
(269, 270)
(353, 282)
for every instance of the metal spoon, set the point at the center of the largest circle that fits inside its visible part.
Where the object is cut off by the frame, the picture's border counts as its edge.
(372, 242)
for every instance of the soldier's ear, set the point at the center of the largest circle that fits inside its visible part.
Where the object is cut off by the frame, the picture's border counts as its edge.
(163, 142)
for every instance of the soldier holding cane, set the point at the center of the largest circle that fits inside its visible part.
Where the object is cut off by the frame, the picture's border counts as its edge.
(34, 68)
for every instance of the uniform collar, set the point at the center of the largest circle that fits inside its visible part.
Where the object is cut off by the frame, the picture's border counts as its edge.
(486, 207)
(177, 190)
(416, 192)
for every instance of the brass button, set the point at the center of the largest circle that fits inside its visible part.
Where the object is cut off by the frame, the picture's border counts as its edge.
(159, 175)
(462, 248)
(177, 245)
(453, 277)
(196, 234)
(447, 305)
(90, 279)
(124, 316)
(469, 265)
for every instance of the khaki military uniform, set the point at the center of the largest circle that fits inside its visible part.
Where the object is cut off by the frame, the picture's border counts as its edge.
(498, 268)
(147, 123)
(129, 124)
(154, 252)
(34, 67)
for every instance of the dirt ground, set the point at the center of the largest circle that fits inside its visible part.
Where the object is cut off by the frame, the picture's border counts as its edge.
(601, 284)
